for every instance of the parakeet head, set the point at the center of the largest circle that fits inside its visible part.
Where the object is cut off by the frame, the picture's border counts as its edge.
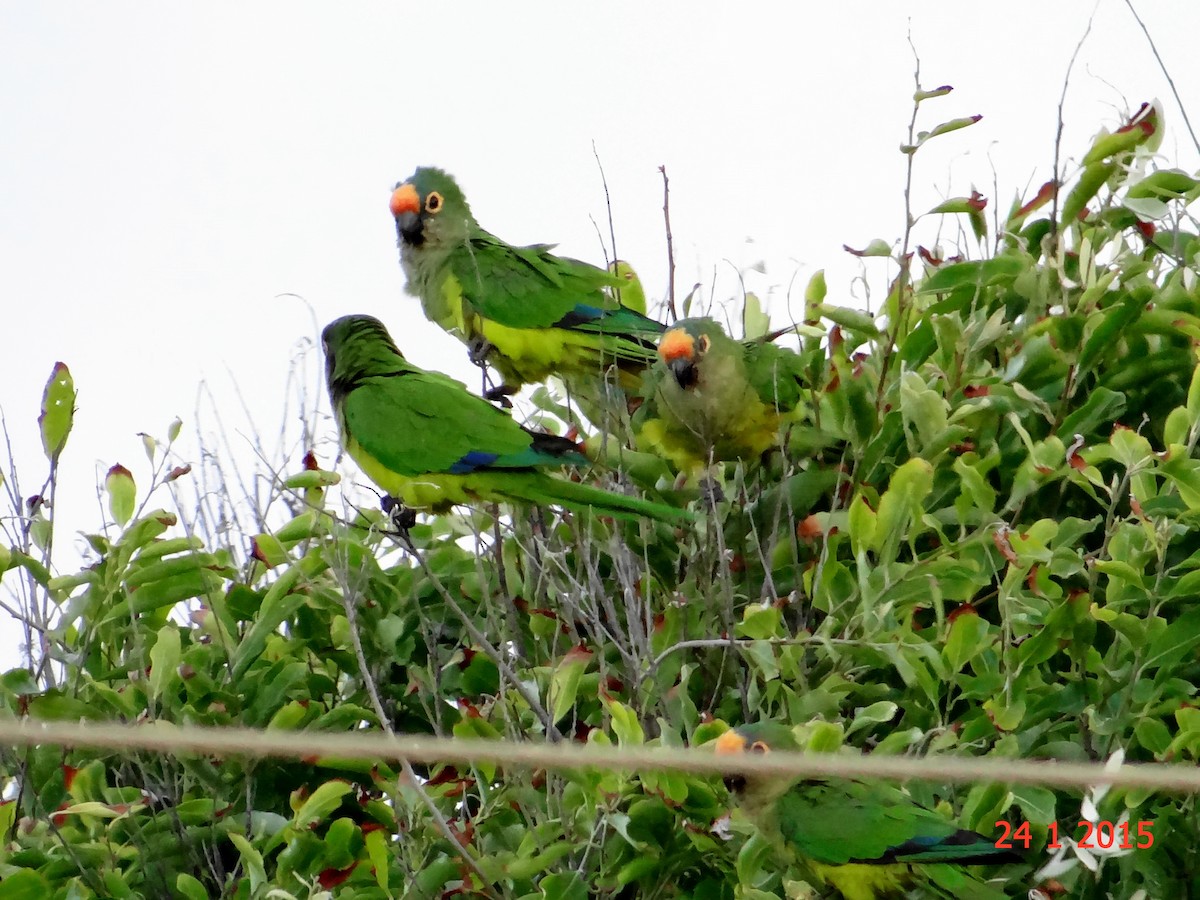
(682, 348)
(631, 294)
(357, 344)
(429, 209)
(760, 737)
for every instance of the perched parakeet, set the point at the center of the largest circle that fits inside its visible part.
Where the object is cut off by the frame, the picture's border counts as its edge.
(431, 444)
(710, 398)
(529, 313)
(868, 841)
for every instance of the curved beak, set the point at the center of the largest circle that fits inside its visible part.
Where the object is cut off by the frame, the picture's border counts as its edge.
(729, 743)
(406, 209)
(677, 349)
(685, 371)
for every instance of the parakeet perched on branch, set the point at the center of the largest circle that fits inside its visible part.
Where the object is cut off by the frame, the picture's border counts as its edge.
(868, 841)
(710, 398)
(527, 312)
(431, 444)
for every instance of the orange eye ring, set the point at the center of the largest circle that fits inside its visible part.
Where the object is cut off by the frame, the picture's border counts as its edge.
(433, 203)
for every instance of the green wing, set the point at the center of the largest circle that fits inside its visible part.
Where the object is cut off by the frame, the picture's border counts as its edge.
(846, 822)
(776, 373)
(529, 287)
(416, 423)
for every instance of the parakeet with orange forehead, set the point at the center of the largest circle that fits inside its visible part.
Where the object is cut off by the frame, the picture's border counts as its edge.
(867, 841)
(710, 398)
(527, 312)
(431, 444)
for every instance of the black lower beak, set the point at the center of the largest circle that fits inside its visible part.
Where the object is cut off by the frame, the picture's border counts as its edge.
(735, 784)
(684, 370)
(410, 228)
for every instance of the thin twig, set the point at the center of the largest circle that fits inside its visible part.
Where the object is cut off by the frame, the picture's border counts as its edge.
(671, 311)
(1166, 74)
(1062, 100)
(612, 232)
(900, 285)
(511, 613)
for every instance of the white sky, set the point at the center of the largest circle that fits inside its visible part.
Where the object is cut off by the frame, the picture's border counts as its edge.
(168, 171)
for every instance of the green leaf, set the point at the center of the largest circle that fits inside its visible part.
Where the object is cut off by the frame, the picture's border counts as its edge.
(625, 724)
(755, 322)
(25, 884)
(947, 127)
(1169, 184)
(1037, 804)
(165, 657)
(190, 887)
(279, 603)
(122, 493)
(981, 273)
(560, 886)
(1153, 734)
(877, 247)
(564, 682)
(853, 320)
(323, 801)
(251, 859)
(1179, 639)
(863, 525)
(377, 853)
(58, 411)
(969, 635)
(901, 503)
(875, 714)
(1093, 177)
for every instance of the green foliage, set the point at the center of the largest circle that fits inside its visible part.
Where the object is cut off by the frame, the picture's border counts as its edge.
(978, 541)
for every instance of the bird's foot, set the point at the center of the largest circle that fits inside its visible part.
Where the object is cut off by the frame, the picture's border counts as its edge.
(501, 394)
(711, 492)
(401, 516)
(478, 350)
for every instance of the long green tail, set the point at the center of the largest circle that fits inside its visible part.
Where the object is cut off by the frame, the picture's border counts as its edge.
(540, 488)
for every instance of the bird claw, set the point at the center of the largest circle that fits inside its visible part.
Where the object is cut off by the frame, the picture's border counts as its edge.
(401, 516)
(500, 395)
(478, 350)
(711, 492)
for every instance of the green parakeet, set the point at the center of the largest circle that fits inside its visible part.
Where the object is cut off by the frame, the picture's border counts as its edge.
(868, 841)
(431, 444)
(710, 398)
(529, 313)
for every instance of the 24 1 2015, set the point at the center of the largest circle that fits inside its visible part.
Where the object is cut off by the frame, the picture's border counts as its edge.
(1097, 835)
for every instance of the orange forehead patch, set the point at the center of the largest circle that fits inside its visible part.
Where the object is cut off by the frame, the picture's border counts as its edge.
(730, 742)
(405, 199)
(676, 343)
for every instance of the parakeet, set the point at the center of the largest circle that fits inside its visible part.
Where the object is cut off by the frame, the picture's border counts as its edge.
(710, 398)
(868, 841)
(428, 442)
(529, 313)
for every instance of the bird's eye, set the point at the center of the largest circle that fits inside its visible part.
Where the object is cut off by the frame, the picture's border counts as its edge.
(758, 746)
(433, 203)
(705, 343)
